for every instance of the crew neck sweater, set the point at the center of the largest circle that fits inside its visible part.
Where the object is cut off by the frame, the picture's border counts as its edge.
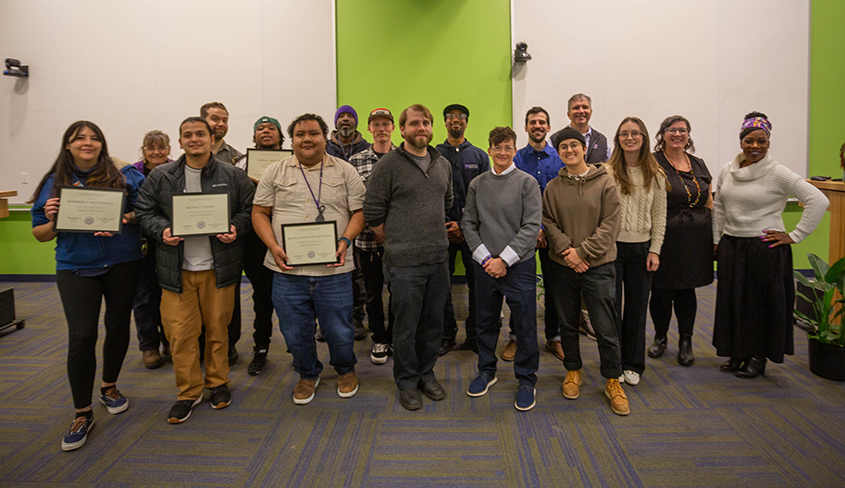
(643, 215)
(751, 200)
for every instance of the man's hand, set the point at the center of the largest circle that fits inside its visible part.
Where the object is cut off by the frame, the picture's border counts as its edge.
(379, 232)
(340, 254)
(454, 232)
(496, 267)
(169, 239)
(581, 268)
(570, 257)
(280, 258)
(541, 239)
(230, 237)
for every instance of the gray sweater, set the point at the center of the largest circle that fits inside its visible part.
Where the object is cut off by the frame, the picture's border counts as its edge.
(412, 206)
(503, 211)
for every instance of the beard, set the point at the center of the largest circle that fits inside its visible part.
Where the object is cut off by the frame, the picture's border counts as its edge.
(537, 137)
(345, 131)
(456, 133)
(420, 141)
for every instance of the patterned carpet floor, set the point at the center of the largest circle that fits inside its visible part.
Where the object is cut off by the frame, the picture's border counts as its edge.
(689, 426)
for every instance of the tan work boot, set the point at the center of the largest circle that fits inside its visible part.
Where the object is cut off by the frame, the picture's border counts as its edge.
(618, 400)
(347, 385)
(555, 348)
(571, 384)
(152, 359)
(304, 390)
(509, 352)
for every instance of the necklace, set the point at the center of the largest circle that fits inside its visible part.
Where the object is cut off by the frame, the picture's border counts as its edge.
(697, 187)
(320, 208)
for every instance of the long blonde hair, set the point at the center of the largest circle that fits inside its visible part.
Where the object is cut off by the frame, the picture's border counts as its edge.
(650, 168)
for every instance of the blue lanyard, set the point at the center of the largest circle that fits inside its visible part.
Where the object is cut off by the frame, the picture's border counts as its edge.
(320, 208)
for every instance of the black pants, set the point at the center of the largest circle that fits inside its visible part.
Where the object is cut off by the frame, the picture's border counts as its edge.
(634, 281)
(261, 278)
(370, 264)
(147, 305)
(81, 299)
(450, 325)
(661, 309)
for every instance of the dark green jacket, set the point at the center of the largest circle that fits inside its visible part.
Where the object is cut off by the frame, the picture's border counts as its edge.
(153, 211)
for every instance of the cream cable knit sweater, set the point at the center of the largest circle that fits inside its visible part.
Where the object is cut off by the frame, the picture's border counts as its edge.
(643, 212)
(751, 200)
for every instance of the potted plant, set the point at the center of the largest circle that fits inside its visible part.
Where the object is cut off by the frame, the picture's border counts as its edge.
(826, 339)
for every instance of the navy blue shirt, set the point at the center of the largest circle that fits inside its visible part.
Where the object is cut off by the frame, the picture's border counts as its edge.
(542, 165)
(467, 162)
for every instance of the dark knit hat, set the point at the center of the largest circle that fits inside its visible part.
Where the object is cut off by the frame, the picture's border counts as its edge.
(456, 106)
(346, 109)
(567, 133)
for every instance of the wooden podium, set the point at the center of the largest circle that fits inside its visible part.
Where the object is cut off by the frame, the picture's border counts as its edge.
(835, 192)
(4, 203)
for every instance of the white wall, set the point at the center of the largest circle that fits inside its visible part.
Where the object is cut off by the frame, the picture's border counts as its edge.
(132, 66)
(712, 61)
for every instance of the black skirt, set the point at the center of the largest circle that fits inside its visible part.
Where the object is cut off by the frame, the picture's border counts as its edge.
(755, 296)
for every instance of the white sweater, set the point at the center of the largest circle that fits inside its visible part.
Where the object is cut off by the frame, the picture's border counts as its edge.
(751, 200)
(643, 211)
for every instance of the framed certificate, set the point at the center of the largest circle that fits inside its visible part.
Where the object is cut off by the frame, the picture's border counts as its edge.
(83, 209)
(257, 160)
(200, 214)
(310, 243)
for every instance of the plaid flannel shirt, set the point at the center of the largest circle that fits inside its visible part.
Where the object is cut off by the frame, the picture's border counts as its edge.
(363, 163)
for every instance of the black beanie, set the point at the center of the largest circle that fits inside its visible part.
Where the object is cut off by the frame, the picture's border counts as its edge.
(567, 133)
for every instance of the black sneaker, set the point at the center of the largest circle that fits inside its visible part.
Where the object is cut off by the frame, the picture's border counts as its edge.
(360, 332)
(77, 434)
(259, 357)
(446, 346)
(469, 345)
(380, 353)
(233, 355)
(181, 410)
(221, 397)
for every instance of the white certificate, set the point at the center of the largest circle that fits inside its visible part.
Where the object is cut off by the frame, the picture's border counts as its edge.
(311, 243)
(83, 209)
(197, 214)
(257, 160)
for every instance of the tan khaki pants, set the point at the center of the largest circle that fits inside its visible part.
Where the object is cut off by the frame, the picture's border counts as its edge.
(182, 315)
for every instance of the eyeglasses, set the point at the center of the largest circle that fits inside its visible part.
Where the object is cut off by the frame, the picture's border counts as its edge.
(502, 148)
(633, 134)
(574, 146)
(156, 148)
(456, 116)
(674, 130)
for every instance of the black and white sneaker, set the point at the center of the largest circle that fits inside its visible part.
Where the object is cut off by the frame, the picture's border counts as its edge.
(221, 397)
(181, 410)
(259, 357)
(380, 353)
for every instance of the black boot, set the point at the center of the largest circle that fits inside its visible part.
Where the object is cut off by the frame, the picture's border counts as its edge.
(658, 347)
(685, 357)
(731, 365)
(753, 368)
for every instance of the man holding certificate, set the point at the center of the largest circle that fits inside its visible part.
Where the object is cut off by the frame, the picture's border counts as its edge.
(196, 208)
(307, 210)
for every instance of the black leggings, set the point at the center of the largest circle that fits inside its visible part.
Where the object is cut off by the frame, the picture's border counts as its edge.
(661, 310)
(81, 299)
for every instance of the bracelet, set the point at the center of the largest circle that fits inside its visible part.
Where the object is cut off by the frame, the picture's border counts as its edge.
(347, 241)
(488, 258)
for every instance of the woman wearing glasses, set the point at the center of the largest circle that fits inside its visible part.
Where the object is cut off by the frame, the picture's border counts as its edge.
(156, 151)
(686, 257)
(755, 296)
(641, 183)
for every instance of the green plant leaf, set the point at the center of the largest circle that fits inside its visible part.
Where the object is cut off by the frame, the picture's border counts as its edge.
(834, 274)
(802, 279)
(803, 296)
(820, 268)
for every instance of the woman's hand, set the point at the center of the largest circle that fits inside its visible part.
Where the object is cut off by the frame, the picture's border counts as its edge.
(776, 238)
(652, 261)
(51, 208)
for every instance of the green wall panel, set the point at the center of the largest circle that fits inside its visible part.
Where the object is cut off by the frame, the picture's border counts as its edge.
(20, 253)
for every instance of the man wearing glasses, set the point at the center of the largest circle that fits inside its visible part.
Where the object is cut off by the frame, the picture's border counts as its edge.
(467, 162)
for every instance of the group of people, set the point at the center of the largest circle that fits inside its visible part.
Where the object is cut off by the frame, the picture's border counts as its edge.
(619, 230)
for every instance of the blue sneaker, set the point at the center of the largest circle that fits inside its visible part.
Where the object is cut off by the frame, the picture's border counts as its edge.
(481, 383)
(114, 401)
(525, 398)
(77, 434)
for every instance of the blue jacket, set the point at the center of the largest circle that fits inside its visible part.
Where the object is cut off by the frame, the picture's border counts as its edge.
(76, 250)
(542, 165)
(467, 162)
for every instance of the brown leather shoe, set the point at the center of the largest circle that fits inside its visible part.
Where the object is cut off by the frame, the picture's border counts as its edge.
(571, 385)
(555, 348)
(152, 359)
(347, 385)
(509, 352)
(618, 400)
(304, 391)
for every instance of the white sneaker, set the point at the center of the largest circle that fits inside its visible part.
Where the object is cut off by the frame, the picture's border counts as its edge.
(631, 377)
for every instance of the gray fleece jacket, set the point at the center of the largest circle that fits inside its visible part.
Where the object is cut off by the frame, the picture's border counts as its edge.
(411, 205)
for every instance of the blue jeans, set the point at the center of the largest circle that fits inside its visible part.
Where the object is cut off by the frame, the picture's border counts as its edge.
(298, 301)
(598, 287)
(417, 298)
(519, 286)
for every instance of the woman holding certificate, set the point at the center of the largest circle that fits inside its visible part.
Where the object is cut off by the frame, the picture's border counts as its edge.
(100, 262)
